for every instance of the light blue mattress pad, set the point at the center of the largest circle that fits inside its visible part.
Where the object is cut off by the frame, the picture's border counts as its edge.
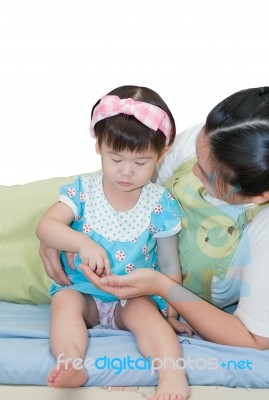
(112, 356)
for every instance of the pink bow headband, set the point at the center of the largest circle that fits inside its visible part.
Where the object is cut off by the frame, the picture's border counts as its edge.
(152, 116)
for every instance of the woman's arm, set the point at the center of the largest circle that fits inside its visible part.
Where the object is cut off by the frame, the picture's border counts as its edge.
(207, 320)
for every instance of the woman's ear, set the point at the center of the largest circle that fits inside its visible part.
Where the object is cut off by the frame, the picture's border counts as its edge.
(97, 148)
(261, 198)
(162, 153)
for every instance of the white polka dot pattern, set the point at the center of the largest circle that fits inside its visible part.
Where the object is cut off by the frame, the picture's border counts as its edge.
(116, 225)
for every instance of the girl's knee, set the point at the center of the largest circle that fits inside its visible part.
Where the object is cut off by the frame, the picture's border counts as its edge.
(67, 297)
(141, 311)
(72, 303)
(143, 303)
(142, 300)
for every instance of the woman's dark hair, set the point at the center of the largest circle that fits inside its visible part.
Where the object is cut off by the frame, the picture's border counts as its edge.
(125, 132)
(237, 130)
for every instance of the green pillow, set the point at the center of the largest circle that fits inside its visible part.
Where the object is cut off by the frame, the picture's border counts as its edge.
(23, 278)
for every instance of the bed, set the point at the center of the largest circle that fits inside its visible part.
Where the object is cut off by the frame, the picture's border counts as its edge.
(213, 371)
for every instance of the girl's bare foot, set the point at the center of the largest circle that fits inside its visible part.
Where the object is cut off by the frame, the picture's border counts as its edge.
(67, 377)
(172, 387)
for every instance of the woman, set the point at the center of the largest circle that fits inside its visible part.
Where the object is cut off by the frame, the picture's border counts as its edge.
(223, 245)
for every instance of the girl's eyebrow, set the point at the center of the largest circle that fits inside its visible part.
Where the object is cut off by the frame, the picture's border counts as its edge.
(144, 157)
(113, 152)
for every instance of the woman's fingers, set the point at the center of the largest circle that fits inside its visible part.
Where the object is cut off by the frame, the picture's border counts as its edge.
(52, 265)
(101, 283)
(123, 287)
(91, 275)
(46, 264)
(70, 259)
(137, 283)
(114, 280)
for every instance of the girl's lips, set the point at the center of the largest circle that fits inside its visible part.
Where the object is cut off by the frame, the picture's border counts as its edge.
(124, 183)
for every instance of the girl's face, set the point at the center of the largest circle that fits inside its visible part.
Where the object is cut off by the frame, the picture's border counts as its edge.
(127, 171)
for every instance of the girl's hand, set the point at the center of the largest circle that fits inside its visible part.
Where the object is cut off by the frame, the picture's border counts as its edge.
(180, 327)
(138, 283)
(95, 257)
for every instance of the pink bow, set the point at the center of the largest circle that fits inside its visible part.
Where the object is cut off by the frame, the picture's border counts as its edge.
(152, 116)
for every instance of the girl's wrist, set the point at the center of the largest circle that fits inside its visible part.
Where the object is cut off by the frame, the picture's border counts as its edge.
(83, 241)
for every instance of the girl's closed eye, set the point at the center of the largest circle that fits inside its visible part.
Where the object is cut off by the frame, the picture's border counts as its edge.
(140, 162)
(116, 160)
(143, 160)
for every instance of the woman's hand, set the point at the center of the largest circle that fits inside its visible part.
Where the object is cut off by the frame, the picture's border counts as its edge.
(52, 265)
(142, 282)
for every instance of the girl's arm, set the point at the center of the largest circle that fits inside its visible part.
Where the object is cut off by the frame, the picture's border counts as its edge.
(169, 265)
(55, 232)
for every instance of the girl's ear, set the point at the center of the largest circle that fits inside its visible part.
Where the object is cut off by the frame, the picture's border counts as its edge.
(97, 148)
(162, 153)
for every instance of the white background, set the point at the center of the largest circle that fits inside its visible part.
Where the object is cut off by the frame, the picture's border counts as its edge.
(58, 57)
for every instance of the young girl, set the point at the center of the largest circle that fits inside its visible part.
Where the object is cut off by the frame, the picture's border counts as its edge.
(110, 219)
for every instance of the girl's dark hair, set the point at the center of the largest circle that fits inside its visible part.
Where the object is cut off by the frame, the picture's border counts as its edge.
(125, 132)
(237, 131)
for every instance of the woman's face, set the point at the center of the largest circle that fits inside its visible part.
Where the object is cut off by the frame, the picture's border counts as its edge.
(205, 171)
(202, 168)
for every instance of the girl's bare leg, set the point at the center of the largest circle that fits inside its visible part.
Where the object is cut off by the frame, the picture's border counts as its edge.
(71, 313)
(155, 338)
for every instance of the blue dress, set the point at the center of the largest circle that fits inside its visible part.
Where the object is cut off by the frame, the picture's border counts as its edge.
(128, 237)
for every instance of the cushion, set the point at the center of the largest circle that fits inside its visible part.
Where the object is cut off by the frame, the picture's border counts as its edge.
(113, 358)
(23, 278)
